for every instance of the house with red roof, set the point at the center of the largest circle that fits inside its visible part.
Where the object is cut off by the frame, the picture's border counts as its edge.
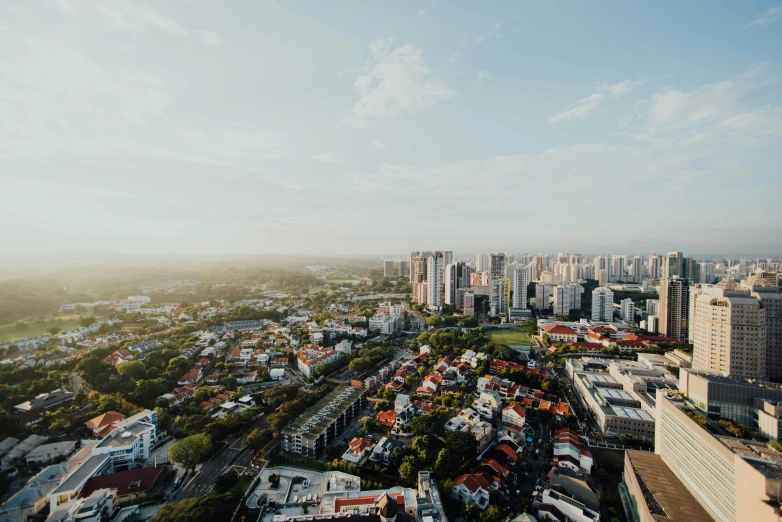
(131, 485)
(358, 449)
(514, 416)
(191, 377)
(103, 424)
(473, 488)
(386, 418)
(560, 333)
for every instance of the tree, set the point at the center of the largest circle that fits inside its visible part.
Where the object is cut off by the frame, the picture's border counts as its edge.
(470, 322)
(423, 425)
(191, 450)
(178, 366)
(258, 438)
(87, 321)
(421, 445)
(434, 321)
(408, 470)
(462, 447)
(382, 405)
(132, 369)
(441, 465)
(54, 330)
(491, 514)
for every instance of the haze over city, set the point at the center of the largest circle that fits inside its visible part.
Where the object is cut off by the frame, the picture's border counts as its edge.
(193, 128)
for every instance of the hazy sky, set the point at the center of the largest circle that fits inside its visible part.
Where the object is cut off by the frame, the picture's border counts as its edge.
(250, 127)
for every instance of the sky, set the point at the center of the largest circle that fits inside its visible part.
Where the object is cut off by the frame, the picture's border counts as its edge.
(345, 127)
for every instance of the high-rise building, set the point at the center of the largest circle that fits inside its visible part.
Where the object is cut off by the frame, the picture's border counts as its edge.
(469, 304)
(652, 323)
(730, 331)
(601, 263)
(628, 310)
(675, 264)
(496, 272)
(652, 306)
(602, 277)
(388, 268)
(404, 268)
(637, 269)
(618, 267)
(602, 304)
(695, 291)
(457, 275)
(655, 267)
(766, 287)
(435, 270)
(734, 480)
(499, 299)
(567, 297)
(418, 267)
(520, 287)
(481, 262)
(708, 273)
(674, 305)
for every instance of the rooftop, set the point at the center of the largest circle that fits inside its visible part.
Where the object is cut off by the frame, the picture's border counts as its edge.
(124, 437)
(318, 417)
(80, 474)
(665, 495)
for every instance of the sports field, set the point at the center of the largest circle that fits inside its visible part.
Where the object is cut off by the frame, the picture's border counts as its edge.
(514, 336)
(10, 332)
(344, 281)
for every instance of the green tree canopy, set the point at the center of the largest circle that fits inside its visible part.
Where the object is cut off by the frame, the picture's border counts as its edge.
(191, 450)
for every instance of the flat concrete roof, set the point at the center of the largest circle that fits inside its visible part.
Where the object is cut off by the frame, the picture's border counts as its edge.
(320, 416)
(665, 494)
(81, 474)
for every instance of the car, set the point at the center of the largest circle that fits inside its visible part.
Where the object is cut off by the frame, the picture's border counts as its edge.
(177, 482)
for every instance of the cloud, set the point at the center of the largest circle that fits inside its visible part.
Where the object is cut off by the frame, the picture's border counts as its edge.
(394, 83)
(579, 109)
(209, 38)
(136, 18)
(586, 106)
(473, 39)
(422, 13)
(770, 16)
(328, 157)
(378, 144)
(480, 76)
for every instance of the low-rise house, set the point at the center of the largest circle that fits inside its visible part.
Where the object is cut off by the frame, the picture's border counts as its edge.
(47, 453)
(20, 451)
(514, 417)
(312, 356)
(386, 418)
(381, 453)
(194, 376)
(358, 450)
(32, 411)
(473, 488)
(103, 424)
(570, 451)
(487, 404)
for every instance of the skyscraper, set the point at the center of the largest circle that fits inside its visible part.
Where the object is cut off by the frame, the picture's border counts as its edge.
(481, 262)
(618, 267)
(498, 299)
(730, 332)
(673, 322)
(602, 277)
(655, 264)
(457, 275)
(567, 297)
(388, 268)
(418, 274)
(469, 304)
(637, 269)
(496, 272)
(435, 270)
(674, 305)
(628, 310)
(520, 287)
(602, 304)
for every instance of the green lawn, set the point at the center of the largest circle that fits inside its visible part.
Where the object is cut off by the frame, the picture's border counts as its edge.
(10, 333)
(514, 336)
(316, 289)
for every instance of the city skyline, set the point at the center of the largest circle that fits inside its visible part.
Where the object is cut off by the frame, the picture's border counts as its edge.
(191, 128)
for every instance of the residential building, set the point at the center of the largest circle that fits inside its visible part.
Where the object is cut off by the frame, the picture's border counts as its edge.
(730, 331)
(32, 411)
(435, 283)
(628, 310)
(496, 271)
(602, 304)
(319, 426)
(386, 324)
(519, 287)
(358, 449)
(481, 262)
(457, 276)
(311, 356)
(655, 267)
(469, 304)
(388, 268)
(674, 307)
(618, 267)
(570, 451)
(637, 269)
(514, 417)
(100, 506)
(499, 298)
(20, 451)
(732, 479)
(652, 306)
(473, 488)
(566, 297)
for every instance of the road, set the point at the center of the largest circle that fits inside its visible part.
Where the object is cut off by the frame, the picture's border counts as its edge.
(233, 455)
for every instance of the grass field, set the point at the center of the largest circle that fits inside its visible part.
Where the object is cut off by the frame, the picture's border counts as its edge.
(510, 336)
(10, 333)
(316, 289)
